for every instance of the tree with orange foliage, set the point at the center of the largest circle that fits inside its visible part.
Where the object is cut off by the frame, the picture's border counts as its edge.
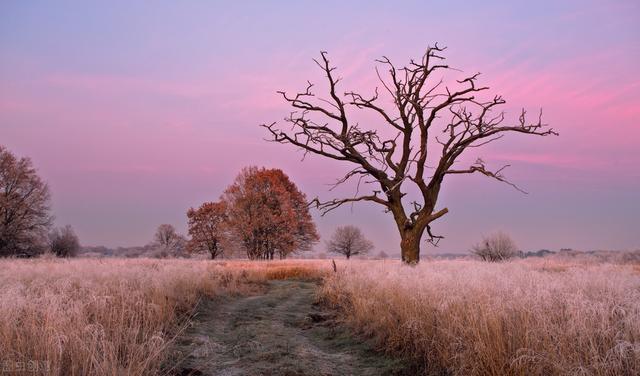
(207, 228)
(268, 214)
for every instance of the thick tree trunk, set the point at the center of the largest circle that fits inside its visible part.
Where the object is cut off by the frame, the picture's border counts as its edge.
(410, 246)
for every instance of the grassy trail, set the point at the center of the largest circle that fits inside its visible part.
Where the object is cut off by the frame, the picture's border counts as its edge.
(281, 332)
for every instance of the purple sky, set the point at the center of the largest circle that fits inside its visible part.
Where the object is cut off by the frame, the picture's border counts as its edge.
(134, 112)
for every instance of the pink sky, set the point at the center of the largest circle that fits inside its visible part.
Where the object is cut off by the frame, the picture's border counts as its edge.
(134, 113)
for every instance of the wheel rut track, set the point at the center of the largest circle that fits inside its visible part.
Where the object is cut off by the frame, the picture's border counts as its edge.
(281, 332)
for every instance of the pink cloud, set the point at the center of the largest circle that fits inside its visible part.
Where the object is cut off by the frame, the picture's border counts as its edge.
(110, 84)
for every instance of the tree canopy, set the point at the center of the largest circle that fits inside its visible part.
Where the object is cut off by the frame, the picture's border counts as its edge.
(349, 241)
(24, 206)
(208, 228)
(268, 214)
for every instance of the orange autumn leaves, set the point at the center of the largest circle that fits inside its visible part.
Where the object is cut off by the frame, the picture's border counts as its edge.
(207, 228)
(262, 213)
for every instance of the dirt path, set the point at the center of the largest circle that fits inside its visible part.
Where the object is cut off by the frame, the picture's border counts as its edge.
(278, 333)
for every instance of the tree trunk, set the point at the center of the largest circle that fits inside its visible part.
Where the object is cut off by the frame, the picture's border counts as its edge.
(410, 246)
(213, 249)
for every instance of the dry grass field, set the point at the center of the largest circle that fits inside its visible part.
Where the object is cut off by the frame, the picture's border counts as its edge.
(526, 317)
(111, 317)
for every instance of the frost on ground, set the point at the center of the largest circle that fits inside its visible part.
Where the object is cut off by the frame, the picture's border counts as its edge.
(281, 332)
(544, 316)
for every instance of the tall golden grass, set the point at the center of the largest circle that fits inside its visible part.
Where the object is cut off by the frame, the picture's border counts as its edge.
(529, 317)
(111, 317)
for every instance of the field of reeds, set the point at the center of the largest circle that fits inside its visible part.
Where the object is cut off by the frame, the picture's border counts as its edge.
(111, 316)
(461, 317)
(525, 317)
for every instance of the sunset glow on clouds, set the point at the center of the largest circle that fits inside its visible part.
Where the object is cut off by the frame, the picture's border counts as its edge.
(134, 113)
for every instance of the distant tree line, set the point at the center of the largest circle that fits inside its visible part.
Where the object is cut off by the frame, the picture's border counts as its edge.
(262, 214)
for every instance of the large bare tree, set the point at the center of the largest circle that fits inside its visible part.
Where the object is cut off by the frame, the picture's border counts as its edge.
(24, 206)
(422, 131)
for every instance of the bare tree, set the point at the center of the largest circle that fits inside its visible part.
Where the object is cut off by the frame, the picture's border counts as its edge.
(171, 242)
(423, 134)
(349, 241)
(24, 206)
(496, 247)
(64, 242)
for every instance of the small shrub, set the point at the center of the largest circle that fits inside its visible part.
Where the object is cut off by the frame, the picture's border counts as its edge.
(496, 247)
(63, 242)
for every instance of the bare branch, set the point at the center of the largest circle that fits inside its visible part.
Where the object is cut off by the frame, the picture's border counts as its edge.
(327, 206)
(480, 167)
